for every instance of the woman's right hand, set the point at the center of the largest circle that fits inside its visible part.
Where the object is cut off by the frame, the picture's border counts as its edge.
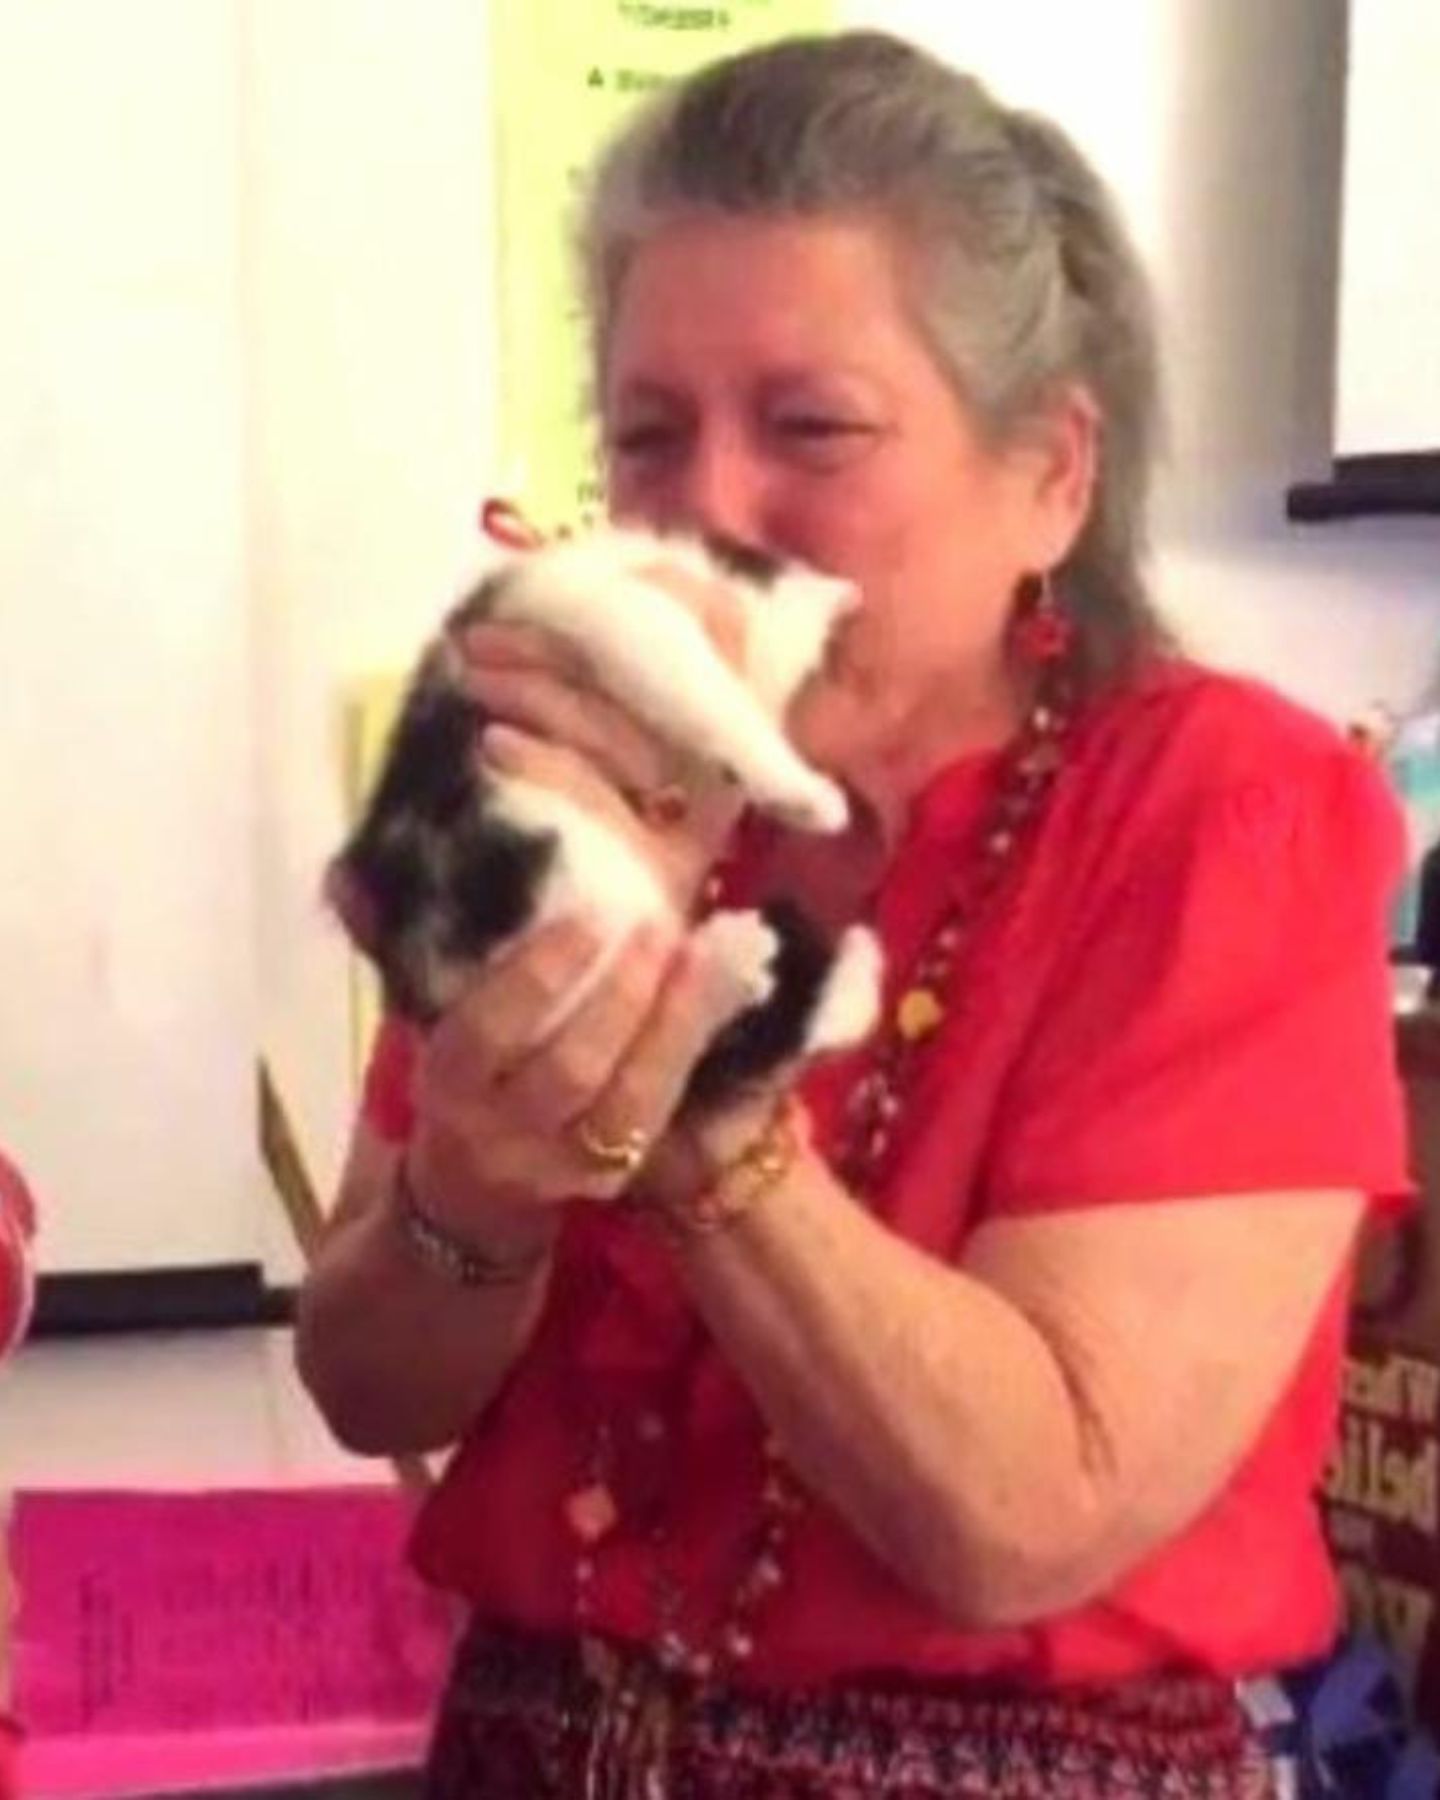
(503, 1122)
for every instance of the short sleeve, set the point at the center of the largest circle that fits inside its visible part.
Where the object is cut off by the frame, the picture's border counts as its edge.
(17, 1204)
(17, 1275)
(1220, 1019)
(387, 1094)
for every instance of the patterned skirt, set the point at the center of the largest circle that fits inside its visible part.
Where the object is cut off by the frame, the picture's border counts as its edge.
(528, 1718)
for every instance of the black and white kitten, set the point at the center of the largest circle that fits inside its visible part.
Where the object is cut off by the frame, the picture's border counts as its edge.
(451, 859)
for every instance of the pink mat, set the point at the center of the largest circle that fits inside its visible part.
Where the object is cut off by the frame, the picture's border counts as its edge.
(179, 1639)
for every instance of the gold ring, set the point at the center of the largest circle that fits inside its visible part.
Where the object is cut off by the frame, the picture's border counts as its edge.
(664, 808)
(621, 1155)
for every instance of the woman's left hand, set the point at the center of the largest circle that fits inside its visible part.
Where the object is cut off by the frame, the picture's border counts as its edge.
(564, 733)
(683, 844)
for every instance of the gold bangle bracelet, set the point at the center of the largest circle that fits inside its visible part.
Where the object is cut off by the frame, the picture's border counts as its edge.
(741, 1183)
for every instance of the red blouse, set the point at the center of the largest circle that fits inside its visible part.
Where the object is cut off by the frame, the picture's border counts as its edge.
(1183, 994)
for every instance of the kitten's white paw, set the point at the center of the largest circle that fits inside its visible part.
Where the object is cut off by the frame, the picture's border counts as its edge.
(744, 946)
(849, 1002)
(814, 805)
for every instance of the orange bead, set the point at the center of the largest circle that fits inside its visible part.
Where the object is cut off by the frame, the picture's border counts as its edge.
(591, 1512)
(918, 1013)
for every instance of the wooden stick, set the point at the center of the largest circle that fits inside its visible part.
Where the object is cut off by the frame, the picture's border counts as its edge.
(306, 1214)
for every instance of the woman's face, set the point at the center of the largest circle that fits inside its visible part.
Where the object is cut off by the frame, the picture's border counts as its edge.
(766, 383)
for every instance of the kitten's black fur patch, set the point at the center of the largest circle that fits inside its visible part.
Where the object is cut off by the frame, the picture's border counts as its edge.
(767, 1036)
(755, 566)
(425, 864)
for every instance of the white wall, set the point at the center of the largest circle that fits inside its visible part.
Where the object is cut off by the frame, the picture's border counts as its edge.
(368, 249)
(1389, 360)
(127, 974)
(198, 1409)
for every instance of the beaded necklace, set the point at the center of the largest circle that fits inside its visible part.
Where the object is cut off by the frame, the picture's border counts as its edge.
(872, 1114)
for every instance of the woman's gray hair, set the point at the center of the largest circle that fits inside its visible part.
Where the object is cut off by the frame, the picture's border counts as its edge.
(1027, 279)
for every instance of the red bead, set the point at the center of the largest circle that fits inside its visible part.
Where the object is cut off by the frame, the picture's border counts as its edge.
(591, 1512)
(768, 1573)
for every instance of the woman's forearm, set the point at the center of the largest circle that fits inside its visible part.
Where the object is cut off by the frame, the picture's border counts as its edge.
(916, 1401)
(398, 1358)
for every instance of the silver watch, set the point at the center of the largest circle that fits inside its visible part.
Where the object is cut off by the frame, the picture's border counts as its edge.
(442, 1251)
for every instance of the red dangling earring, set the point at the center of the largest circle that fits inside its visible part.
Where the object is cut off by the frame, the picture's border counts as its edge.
(1043, 630)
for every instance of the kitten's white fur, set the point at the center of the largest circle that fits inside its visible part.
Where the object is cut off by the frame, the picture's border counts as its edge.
(649, 651)
(652, 654)
(851, 997)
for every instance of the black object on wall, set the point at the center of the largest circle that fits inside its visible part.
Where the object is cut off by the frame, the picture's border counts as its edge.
(1369, 487)
(212, 1297)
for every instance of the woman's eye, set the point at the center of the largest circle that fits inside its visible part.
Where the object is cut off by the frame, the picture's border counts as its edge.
(644, 440)
(822, 440)
(819, 425)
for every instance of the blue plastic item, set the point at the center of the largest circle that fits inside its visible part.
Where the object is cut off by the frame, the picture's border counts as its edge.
(1352, 1737)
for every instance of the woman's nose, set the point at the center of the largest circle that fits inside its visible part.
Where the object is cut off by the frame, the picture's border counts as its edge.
(720, 490)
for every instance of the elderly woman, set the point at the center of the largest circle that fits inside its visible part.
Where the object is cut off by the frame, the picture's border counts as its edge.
(948, 1423)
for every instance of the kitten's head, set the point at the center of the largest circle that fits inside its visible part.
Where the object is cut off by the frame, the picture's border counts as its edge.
(429, 879)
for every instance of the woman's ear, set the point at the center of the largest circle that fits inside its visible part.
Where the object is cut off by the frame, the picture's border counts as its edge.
(1059, 450)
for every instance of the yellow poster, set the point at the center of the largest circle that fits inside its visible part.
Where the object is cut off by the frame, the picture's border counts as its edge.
(564, 73)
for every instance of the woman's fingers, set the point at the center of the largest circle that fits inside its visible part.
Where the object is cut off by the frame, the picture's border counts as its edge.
(682, 846)
(560, 1082)
(574, 1114)
(509, 751)
(490, 1029)
(532, 680)
(496, 646)
(538, 701)
(700, 996)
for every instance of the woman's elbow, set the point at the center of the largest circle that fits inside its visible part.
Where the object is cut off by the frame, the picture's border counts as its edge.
(363, 1411)
(1022, 1572)
(367, 1423)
